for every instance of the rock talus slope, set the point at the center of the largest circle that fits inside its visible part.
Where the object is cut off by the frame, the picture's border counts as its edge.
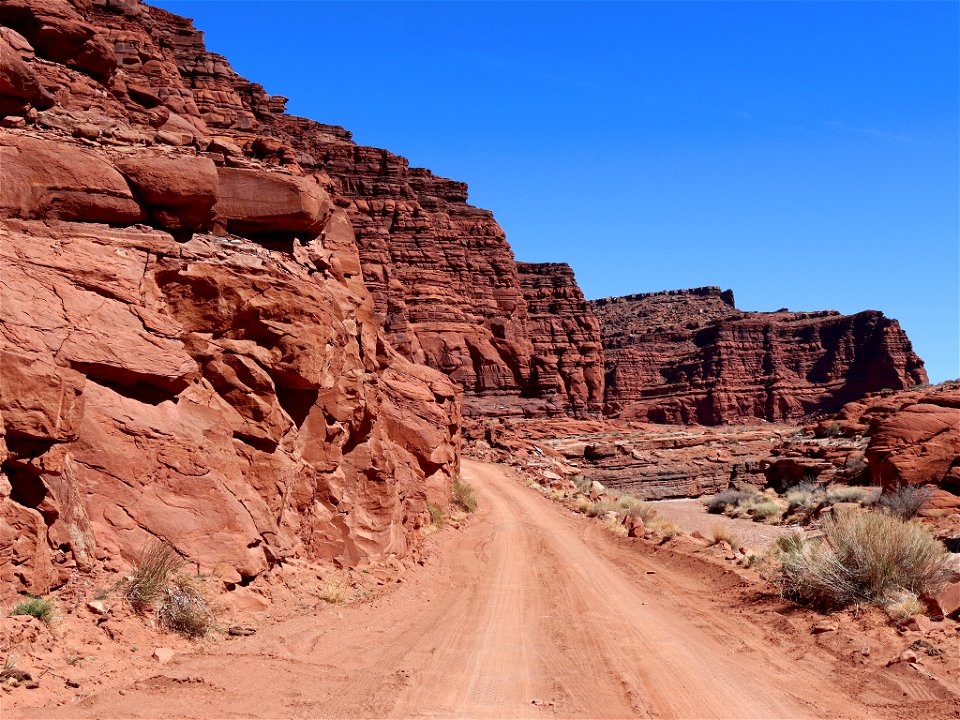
(692, 356)
(186, 355)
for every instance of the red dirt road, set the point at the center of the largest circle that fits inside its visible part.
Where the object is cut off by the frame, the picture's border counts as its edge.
(528, 612)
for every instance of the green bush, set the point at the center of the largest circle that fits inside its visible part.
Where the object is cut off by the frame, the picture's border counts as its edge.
(862, 557)
(39, 608)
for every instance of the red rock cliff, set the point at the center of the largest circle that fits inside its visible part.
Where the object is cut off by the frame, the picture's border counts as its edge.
(568, 357)
(692, 356)
(188, 351)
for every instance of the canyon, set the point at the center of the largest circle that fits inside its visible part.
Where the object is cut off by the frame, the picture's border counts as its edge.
(213, 306)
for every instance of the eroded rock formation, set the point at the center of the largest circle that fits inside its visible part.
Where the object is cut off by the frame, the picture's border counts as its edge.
(188, 352)
(568, 357)
(692, 356)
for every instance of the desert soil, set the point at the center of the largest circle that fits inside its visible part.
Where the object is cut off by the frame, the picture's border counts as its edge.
(692, 515)
(528, 611)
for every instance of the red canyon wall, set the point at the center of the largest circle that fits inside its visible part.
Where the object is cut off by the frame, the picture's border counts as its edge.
(692, 356)
(188, 351)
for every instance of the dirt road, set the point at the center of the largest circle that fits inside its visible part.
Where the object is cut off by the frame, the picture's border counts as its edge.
(528, 612)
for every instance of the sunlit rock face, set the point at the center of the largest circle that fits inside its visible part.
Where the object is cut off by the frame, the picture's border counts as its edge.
(691, 356)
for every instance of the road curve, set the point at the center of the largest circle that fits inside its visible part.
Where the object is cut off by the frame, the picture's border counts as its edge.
(528, 612)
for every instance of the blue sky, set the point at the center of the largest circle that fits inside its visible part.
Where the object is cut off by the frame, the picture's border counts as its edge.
(803, 154)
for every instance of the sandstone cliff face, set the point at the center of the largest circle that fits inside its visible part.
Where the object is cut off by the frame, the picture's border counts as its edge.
(188, 352)
(691, 356)
(568, 357)
(913, 439)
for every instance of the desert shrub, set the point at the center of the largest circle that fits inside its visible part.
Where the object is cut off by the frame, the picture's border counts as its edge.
(727, 499)
(583, 505)
(582, 484)
(464, 496)
(719, 534)
(848, 493)
(183, 608)
(832, 430)
(630, 505)
(768, 510)
(437, 518)
(39, 608)
(601, 507)
(862, 557)
(905, 502)
(903, 605)
(151, 572)
(334, 591)
(790, 543)
(665, 528)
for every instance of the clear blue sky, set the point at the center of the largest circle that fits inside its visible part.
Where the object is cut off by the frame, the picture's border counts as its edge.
(803, 154)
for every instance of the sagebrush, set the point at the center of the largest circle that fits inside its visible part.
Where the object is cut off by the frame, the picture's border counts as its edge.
(862, 557)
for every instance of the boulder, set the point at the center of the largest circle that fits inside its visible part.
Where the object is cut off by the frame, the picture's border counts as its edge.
(257, 202)
(179, 191)
(19, 85)
(43, 179)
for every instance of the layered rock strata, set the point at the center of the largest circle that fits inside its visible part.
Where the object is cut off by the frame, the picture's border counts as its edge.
(188, 351)
(568, 357)
(692, 356)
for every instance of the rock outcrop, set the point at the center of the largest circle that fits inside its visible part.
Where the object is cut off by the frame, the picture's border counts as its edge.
(913, 439)
(567, 357)
(188, 353)
(692, 356)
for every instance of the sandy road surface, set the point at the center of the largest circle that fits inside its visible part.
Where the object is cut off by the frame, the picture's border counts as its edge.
(529, 612)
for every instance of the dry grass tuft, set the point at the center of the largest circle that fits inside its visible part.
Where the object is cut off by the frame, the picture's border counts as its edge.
(464, 496)
(437, 518)
(719, 534)
(151, 572)
(904, 605)
(334, 591)
(906, 501)
(184, 609)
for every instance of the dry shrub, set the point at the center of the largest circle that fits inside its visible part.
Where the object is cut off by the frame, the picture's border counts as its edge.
(464, 496)
(630, 505)
(183, 607)
(728, 500)
(721, 534)
(665, 529)
(906, 501)
(334, 591)
(849, 493)
(437, 518)
(151, 572)
(862, 557)
(601, 507)
(767, 511)
(904, 605)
